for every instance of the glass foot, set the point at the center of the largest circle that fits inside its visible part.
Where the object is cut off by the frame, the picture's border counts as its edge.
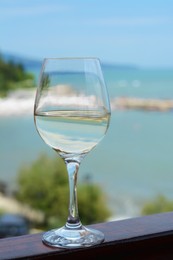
(73, 238)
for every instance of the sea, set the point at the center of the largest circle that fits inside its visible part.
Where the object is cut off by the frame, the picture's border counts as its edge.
(133, 163)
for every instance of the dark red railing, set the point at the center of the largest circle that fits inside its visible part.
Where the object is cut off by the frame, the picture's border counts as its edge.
(148, 237)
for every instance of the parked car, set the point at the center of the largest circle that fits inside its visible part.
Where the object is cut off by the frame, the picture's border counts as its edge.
(13, 225)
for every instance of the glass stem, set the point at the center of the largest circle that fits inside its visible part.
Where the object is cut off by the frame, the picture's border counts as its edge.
(73, 221)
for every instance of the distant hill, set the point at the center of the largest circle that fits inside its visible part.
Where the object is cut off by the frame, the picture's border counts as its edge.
(32, 64)
(29, 64)
(119, 66)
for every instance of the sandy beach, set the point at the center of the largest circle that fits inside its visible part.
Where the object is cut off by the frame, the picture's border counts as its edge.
(20, 102)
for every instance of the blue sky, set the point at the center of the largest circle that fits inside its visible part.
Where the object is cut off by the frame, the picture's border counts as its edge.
(119, 31)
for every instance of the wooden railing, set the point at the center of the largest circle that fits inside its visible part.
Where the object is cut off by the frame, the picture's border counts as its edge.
(148, 237)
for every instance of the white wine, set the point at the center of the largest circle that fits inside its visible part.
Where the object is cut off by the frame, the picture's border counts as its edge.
(74, 132)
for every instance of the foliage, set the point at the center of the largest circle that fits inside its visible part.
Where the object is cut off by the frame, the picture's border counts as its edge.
(2, 212)
(92, 204)
(44, 186)
(13, 76)
(157, 205)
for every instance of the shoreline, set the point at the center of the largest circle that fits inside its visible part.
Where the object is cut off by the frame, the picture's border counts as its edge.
(17, 103)
(21, 102)
(137, 103)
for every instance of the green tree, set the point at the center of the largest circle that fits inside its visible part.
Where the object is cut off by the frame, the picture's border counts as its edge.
(158, 205)
(44, 186)
(13, 76)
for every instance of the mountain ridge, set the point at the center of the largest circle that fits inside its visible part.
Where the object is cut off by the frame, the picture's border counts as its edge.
(30, 63)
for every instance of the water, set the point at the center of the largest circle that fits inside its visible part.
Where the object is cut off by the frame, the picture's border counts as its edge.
(133, 162)
(146, 83)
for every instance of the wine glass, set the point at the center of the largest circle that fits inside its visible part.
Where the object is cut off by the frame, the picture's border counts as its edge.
(72, 114)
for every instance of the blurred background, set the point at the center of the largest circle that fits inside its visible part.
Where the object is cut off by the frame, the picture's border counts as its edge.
(133, 39)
